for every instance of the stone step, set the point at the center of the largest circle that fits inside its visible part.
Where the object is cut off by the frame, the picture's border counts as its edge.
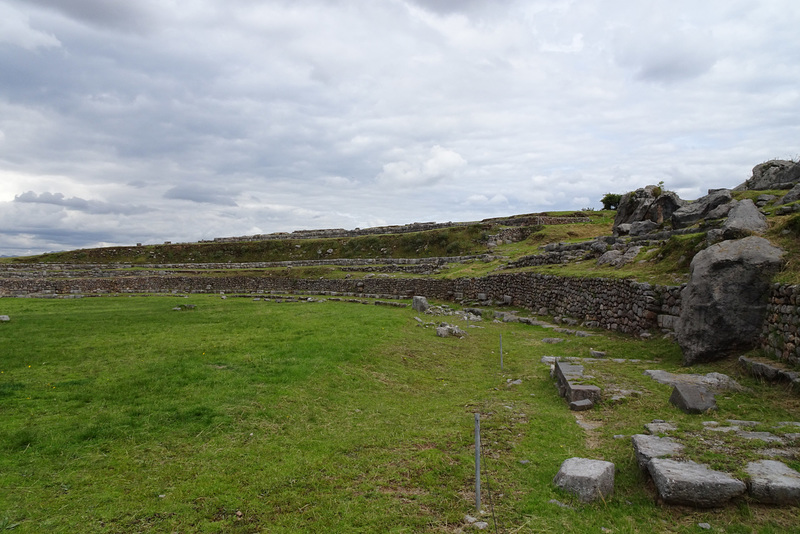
(693, 484)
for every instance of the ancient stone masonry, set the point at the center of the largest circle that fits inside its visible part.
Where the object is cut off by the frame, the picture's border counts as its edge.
(521, 220)
(620, 305)
(781, 330)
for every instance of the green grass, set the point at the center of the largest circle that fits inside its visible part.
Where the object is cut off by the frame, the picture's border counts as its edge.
(122, 415)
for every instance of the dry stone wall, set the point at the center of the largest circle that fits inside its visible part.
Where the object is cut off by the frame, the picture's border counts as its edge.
(621, 305)
(781, 331)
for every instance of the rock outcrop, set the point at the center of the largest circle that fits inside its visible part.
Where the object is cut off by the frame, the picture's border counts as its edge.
(645, 204)
(744, 219)
(774, 174)
(724, 303)
(707, 207)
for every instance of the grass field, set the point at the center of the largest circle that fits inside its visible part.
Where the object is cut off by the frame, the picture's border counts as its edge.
(122, 415)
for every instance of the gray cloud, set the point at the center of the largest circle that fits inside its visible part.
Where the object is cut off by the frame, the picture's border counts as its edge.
(276, 116)
(202, 195)
(79, 204)
(131, 16)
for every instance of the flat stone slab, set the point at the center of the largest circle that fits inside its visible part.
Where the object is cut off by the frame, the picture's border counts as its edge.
(773, 482)
(693, 484)
(648, 447)
(712, 381)
(588, 479)
(769, 371)
(581, 405)
(4, 318)
(660, 427)
(763, 436)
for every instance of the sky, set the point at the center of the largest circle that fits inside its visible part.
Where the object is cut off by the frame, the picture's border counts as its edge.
(177, 120)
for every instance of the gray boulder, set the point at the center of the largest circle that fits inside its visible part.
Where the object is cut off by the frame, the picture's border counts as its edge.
(420, 304)
(698, 210)
(618, 258)
(743, 220)
(763, 200)
(642, 227)
(792, 196)
(724, 303)
(645, 204)
(693, 484)
(4, 318)
(691, 398)
(448, 330)
(588, 479)
(774, 174)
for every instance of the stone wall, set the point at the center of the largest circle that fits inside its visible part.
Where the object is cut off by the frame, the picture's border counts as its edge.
(520, 220)
(780, 331)
(620, 305)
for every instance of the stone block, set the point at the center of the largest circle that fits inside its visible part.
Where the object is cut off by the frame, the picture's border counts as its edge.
(692, 398)
(773, 482)
(420, 304)
(588, 479)
(567, 377)
(4, 318)
(693, 484)
(648, 447)
(581, 405)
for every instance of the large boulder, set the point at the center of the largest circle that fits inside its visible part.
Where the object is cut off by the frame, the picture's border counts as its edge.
(774, 174)
(702, 208)
(724, 303)
(792, 196)
(744, 219)
(646, 204)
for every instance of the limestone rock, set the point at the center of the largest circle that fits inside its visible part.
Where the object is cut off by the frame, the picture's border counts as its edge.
(642, 227)
(774, 174)
(724, 303)
(588, 479)
(618, 258)
(792, 196)
(692, 399)
(743, 220)
(4, 318)
(447, 330)
(693, 212)
(645, 204)
(648, 447)
(420, 304)
(693, 484)
(773, 482)
(581, 405)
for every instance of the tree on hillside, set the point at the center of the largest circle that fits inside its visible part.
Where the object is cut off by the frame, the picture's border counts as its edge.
(611, 201)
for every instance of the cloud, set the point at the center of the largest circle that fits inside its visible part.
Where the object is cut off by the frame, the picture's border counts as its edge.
(15, 29)
(286, 115)
(201, 195)
(134, 16)
(78, 204)
(439, 164)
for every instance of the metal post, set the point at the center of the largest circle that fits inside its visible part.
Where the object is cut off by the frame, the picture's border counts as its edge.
(478, 462)
(501, 352)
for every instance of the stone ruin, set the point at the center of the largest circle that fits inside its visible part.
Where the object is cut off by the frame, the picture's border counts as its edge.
(725, 301)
